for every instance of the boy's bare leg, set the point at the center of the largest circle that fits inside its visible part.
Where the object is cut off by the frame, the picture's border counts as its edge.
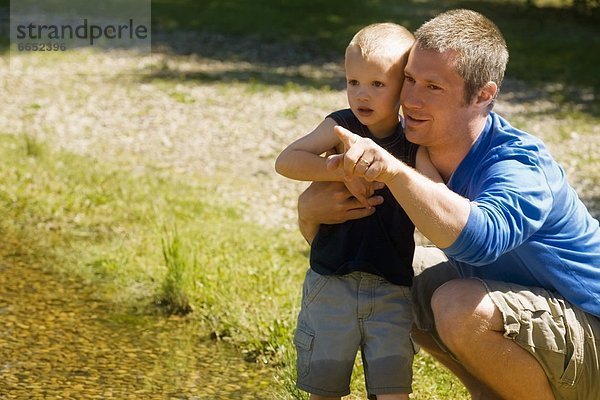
(402, 396)
(396, 396)
(470, 324)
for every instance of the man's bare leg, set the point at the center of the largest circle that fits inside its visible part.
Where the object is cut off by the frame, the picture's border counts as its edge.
(477, 389)
(470, 324)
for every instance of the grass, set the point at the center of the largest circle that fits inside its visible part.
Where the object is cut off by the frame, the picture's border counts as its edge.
(179, 284)
(107, 227)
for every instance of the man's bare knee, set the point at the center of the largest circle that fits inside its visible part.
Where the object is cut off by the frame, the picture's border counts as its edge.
(461, 307)
(457, 299)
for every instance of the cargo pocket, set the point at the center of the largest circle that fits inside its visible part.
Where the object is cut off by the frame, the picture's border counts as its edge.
(313, 284)
(303, 342)
(542, 323)
(575, 343)
(552, 329)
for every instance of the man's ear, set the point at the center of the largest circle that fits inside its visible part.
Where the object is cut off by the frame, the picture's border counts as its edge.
(487, 94)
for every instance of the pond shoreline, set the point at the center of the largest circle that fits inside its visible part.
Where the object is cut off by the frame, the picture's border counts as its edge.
(60, 340)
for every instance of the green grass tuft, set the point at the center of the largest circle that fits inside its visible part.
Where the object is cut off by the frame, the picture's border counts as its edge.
(179, 284)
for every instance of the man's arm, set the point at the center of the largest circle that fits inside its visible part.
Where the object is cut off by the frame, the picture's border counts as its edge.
(330, 203)
(438, 213)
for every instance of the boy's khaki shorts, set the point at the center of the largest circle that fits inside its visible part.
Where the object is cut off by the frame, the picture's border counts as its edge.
(562, 338)
(341, 314)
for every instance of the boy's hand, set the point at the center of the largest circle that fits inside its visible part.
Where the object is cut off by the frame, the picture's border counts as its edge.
(362, 189)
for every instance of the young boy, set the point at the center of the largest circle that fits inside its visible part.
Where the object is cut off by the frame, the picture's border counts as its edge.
(357, 292)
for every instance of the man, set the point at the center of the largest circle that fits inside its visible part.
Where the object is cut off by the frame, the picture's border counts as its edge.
(514, 311)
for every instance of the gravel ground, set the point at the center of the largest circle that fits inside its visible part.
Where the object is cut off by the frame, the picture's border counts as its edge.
(222, 108)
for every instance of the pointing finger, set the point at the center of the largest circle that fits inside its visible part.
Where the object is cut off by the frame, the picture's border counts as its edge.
(348, 138)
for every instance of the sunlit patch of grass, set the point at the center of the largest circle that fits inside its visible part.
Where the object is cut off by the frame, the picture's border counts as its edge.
(103, 225)
(291, 112)
(432, 381)
(286, 378)
(182, 97)
(32, 146)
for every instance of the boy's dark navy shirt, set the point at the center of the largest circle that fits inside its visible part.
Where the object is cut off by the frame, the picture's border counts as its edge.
(382, 243)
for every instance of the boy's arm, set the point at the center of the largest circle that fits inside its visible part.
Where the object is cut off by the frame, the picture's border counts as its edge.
(302, 159)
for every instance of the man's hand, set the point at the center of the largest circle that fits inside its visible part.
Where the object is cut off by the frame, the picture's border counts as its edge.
(439, 213)
(363, 158)
(331, 203)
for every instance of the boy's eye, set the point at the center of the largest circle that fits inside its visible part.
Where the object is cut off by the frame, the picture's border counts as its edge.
(378, 84)
(352, 82)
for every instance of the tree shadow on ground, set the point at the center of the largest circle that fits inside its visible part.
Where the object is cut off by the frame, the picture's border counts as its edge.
(546, 44)
(295, 42)
(214, 57)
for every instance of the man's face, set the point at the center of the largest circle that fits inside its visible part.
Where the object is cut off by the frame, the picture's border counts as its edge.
(433, 100)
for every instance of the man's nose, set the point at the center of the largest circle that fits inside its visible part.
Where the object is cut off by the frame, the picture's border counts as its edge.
(410, 98)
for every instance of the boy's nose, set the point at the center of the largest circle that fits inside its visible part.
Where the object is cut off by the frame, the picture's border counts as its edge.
(362, 94)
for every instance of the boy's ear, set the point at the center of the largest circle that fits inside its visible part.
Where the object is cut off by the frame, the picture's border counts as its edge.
(487, 94)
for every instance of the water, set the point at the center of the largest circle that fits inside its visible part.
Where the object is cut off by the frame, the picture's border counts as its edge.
(58, 340)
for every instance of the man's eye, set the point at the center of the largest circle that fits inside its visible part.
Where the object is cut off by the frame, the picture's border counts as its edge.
(433, 87)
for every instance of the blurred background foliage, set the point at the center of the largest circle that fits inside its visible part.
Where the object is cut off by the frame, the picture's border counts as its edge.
(550, 41)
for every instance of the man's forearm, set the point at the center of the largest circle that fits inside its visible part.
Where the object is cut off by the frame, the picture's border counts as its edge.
(437, 212)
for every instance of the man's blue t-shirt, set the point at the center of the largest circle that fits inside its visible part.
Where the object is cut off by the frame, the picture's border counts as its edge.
(526, 225)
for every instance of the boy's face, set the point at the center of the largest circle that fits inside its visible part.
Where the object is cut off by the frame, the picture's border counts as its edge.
(373, 88)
